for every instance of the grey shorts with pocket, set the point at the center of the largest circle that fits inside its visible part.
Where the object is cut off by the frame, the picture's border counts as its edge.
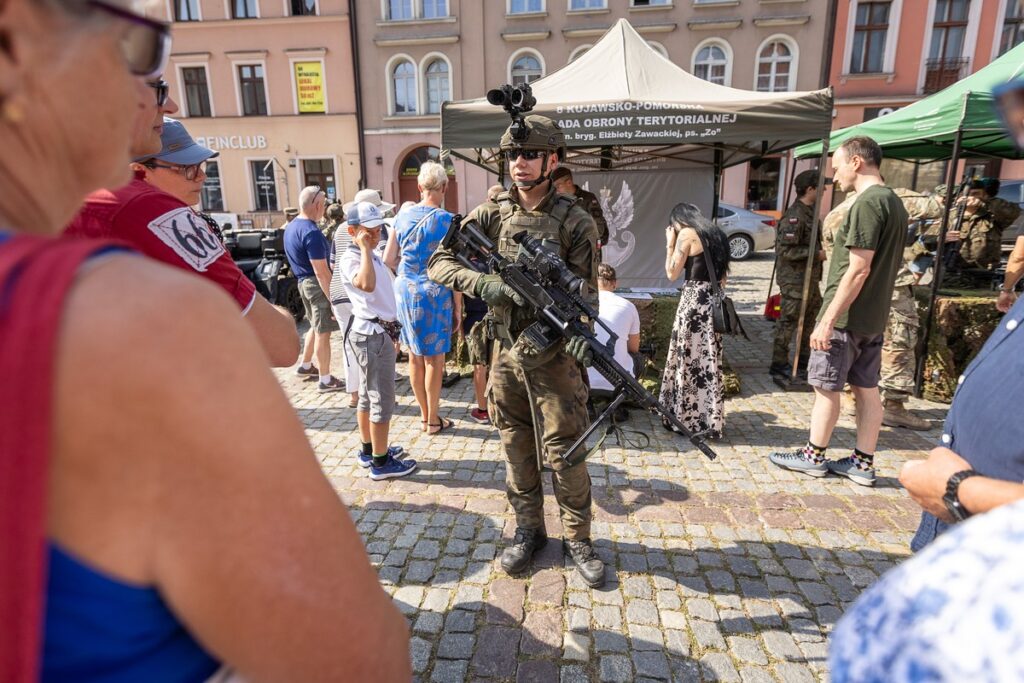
(375, 356)
(852, 357)
(318, 308)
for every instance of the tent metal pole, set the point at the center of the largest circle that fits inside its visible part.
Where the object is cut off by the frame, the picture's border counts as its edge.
(922, 355)
(718, 183)
(811, 255)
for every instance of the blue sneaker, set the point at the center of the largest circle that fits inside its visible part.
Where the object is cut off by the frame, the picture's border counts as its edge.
(798, 462)
(392, 469)
(367, 460)
(846, 467)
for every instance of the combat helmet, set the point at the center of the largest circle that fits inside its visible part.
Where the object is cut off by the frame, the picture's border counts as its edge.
(535, 132)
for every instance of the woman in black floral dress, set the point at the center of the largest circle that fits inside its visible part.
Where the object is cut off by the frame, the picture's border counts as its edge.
(692, 383)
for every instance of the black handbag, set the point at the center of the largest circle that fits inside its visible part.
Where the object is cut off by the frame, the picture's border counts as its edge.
(723, 311)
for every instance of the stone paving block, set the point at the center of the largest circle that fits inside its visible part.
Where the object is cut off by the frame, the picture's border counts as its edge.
(721, 580)
(460, 621)
(642, 612)
(718, 667)
(505, 603)
(791, 672)
(576, 647)
(616, 669)
(419, 654)
(707, 635)
(456, 646)
(672, 619)
(607, 596)
(747, 649)
(685, 671)
(420, 571)
(817, 593)
(702, 608)
(735, 621)
(542, 633)
(637, 587)
(578, 619)
(408, 598)
(573, 674)
(536, 671)
(749, 674)
(497, 650)
(426, 550)
(645, 637)
(547, 587)
(610, 641)
(447, 671)
(781, 645)
(428, 622)
(652, 664)
(607, 616)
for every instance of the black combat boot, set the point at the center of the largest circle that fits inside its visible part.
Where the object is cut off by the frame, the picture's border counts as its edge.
(588, 564)
(516, 557)
(780, 369)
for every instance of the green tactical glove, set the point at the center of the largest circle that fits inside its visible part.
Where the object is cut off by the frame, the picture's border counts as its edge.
(496, 293)
(579, 348)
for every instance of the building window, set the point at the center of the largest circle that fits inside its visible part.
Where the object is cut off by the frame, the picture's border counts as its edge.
(763, 184)
(437, 85)
(186, 10)
(711, 64)
(869, 33)
(435, 9)
(399, 10)
(244, 9)
(774, 67)
(212, 194)
(650, 3)
(945, 54)
(659, 48)
(1013, 26)
(254, 94)
(264, 187)
(587, 4)
(526, 69)
(525, 6)
(403, 80)
(197, 91)
(303, 8)
(320, 172)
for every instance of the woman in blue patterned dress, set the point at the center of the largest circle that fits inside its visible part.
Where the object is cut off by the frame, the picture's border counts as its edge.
(425, 308)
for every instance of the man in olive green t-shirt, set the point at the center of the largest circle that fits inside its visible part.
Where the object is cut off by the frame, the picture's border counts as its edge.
(846, 345)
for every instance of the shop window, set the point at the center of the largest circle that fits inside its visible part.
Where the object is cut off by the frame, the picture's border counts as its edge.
(763, 184)
(403, 84)
(212, 193)
(264, 185)
(254, 93)
(320, 172)
(526, 69)
(437, 85)
(869, 35)
(197, 91)
(711, 63)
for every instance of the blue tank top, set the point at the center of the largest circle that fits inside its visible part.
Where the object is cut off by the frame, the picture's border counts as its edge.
(102, 629)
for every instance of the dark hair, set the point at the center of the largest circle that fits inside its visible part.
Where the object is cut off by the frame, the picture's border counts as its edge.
(606, 272)
(561, 172)
(805, 181)
(865, 148)
(715, 242)
(990, 185)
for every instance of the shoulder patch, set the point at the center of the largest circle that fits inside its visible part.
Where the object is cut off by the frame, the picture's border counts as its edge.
(189, 237)
(794, 221)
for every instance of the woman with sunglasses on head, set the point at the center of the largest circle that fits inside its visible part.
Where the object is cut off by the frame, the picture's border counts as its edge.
(140, 538)
(691, 385)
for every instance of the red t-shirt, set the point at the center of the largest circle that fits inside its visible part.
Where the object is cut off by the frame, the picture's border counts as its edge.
(163, 228)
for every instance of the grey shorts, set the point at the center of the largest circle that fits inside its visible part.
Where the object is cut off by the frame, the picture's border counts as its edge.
(854, 358)
(318, 308)
(375, 356)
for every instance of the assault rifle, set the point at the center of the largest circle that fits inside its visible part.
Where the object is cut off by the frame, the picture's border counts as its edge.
(556, 297)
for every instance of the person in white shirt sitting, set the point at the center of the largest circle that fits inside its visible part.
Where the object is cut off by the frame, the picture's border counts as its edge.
(622, 318)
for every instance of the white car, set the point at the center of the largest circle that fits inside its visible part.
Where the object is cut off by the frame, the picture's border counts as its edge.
(747, 231)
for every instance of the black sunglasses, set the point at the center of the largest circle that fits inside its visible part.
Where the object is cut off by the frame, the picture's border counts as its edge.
(147, 42)
(162, 90)
(190, 172)
(528, 154)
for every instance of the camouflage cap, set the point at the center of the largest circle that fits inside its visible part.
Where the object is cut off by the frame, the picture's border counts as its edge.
(940, 190)
(542, 133)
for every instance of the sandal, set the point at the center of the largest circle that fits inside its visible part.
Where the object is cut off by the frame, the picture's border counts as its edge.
(440, 427)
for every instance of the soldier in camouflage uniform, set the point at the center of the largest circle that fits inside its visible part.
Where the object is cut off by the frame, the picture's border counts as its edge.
(793, 248)
(833, 221)
(1003, 213)
(980, 240)
(562, 178)
(536, 400)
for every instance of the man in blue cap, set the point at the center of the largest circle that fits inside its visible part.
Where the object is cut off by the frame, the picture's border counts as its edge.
(153, 214)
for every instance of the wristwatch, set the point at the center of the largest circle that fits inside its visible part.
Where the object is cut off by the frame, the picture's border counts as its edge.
(952, 499)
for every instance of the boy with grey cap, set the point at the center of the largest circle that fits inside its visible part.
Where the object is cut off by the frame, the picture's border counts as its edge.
(371, 339)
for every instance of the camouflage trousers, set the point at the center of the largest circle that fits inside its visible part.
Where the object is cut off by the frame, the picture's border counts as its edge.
(548, 406)
(900, 347)
(786, 325)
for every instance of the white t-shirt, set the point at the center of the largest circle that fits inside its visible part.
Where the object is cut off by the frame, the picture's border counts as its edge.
(380, 303)
(621, 316)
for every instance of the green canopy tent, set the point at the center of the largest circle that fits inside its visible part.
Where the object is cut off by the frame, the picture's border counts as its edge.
(949, 125)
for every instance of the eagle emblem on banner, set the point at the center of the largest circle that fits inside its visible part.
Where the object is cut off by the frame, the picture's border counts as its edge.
(619, 216)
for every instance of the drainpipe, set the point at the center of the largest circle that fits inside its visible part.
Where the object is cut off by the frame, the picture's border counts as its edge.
(354, 38)
(830, 39)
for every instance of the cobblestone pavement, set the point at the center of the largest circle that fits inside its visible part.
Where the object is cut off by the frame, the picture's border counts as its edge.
(732, 570)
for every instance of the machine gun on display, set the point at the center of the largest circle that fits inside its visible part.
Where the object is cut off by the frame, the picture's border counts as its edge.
(555, 296)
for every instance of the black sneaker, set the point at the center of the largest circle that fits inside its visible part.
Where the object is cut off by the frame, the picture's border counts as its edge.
(308, 375)
(516, 557)
(588, 564)
(334, 384)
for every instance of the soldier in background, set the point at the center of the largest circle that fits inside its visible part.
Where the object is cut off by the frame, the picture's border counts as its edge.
(538, 398)
(833, 221)
(1003, 213)
(980, 239)
(793, 248)
(562, 178)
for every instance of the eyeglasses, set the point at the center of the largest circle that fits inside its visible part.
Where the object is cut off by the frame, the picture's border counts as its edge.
(162, 90)
(528, 154)
(145, 45)
(190, 172)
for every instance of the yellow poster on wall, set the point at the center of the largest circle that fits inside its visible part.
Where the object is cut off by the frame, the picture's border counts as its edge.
(309, 87)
